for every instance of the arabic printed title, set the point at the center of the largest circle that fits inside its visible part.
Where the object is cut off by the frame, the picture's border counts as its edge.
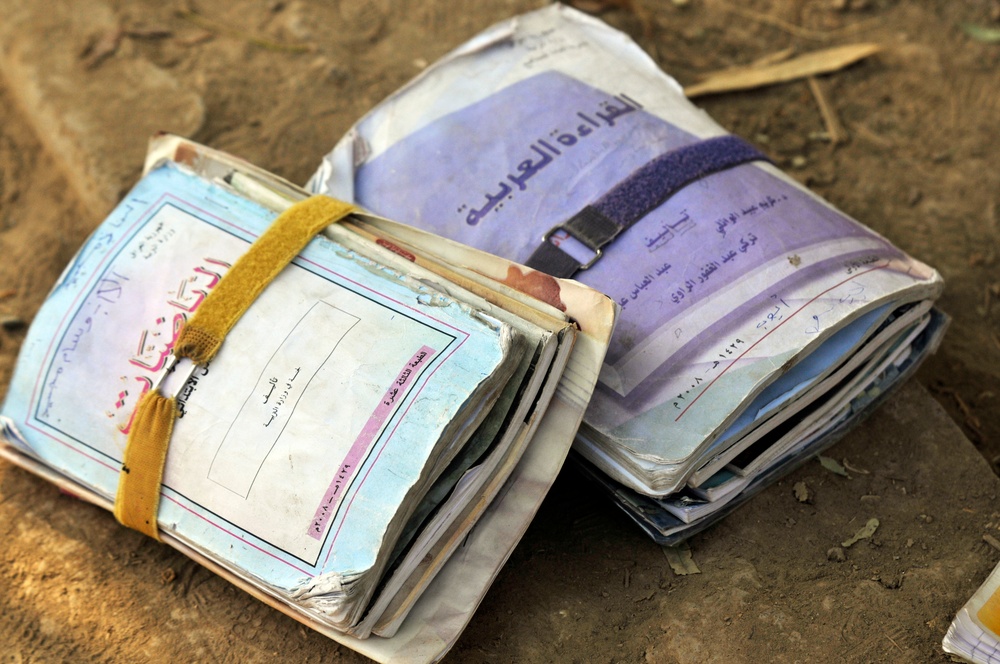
(107, 292)
(156, 341)
(546, 151)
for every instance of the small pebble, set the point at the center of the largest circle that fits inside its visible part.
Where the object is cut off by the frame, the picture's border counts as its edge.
(836, 554)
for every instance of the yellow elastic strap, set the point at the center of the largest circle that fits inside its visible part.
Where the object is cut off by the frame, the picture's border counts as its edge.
(138, 497)
(203, 334)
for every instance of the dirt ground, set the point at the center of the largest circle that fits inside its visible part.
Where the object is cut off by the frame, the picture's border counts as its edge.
(281, 81)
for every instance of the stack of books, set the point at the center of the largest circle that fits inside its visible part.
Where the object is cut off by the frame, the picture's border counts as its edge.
(758, 323)
(379, 406)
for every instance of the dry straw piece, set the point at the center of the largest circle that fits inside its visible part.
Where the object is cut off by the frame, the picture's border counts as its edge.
(803, 66)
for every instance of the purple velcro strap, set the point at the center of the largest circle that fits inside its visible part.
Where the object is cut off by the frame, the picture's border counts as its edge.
(651, 185)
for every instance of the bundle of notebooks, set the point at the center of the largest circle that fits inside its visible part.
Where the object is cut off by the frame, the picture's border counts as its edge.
(388, 399)
(758, 323)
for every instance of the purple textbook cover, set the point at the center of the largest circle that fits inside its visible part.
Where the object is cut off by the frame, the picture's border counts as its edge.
(732, 276)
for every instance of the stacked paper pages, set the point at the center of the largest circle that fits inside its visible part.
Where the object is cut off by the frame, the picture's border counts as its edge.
(758, 322)
(378, 407)
(974, 635)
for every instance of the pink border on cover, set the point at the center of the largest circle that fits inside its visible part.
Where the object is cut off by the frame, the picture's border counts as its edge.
(397, 391)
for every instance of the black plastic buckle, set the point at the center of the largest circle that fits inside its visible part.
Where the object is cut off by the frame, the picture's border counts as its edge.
(588, 227)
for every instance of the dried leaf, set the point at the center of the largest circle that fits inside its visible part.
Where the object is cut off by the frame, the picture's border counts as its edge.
(773, 58)
(601, 6)
(195, 38)
(832, 465)
(810, 64)
(864, 533)
(680, 560)
(859, 471)
(147, 32)
(834, 129)
(981, 33)
(101, 48)
(221, 28)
